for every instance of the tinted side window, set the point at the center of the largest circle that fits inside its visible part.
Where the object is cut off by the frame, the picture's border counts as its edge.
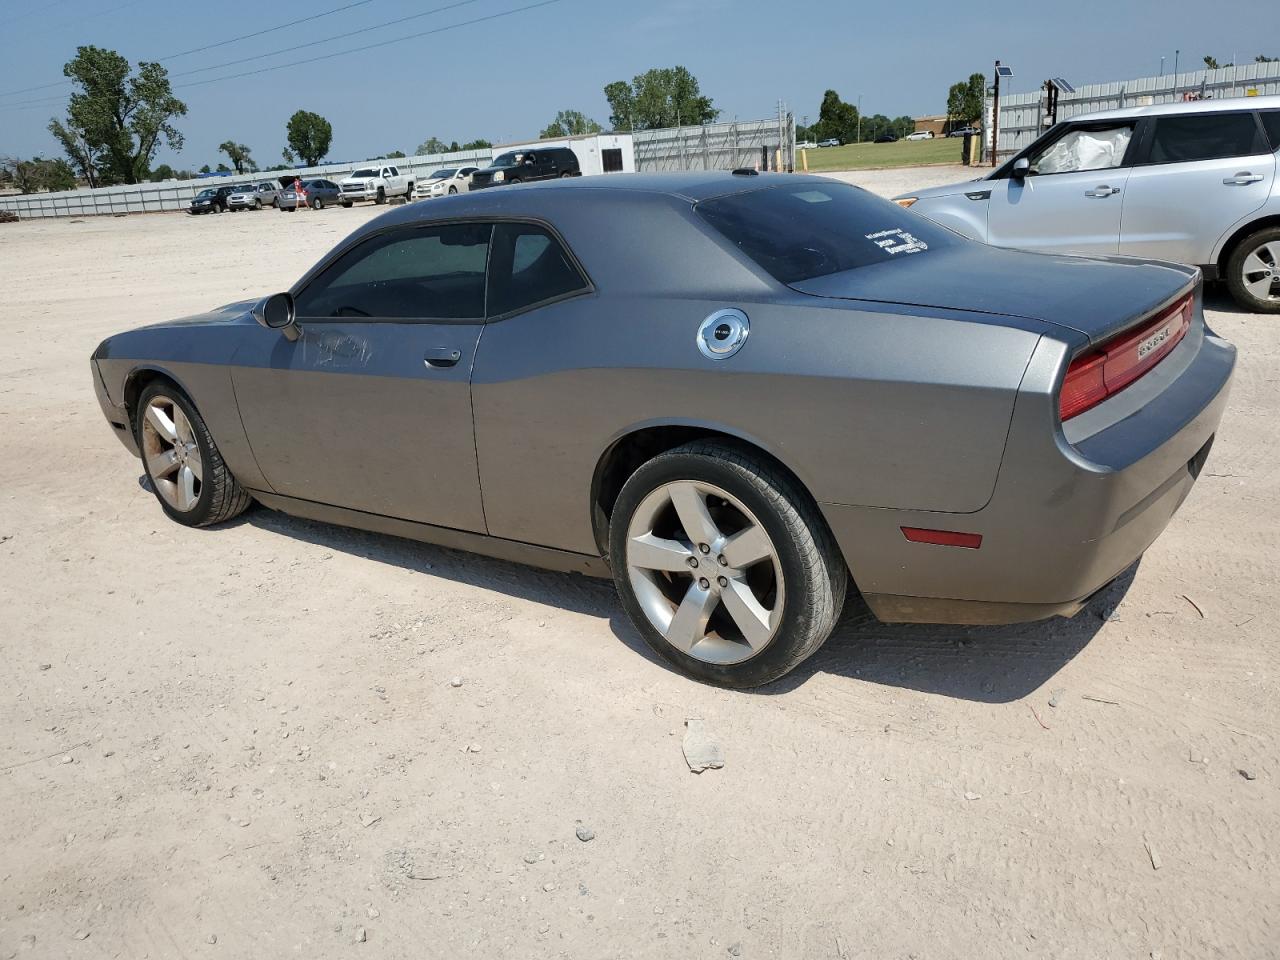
(528, 266)
(1271, 121)
(1204, 136)
(410, 274)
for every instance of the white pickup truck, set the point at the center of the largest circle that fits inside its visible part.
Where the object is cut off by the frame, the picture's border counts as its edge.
(376, 184)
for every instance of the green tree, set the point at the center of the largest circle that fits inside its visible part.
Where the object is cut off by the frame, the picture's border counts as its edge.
(395, 155)
(661, 97)
(238, 154)
(37, 174)
(117, 118)
(223, 168)
(163, 172)
(570, 123)
(205, 169)
(837, 120)
(476, 145)
(903, 126)
(967, 101)
(1262, 58)
(432, 145)
(309, 136)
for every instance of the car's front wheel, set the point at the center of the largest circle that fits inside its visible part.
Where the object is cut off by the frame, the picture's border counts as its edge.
(1253, 271)
(453, 191)
(187, 473)
(724, 564)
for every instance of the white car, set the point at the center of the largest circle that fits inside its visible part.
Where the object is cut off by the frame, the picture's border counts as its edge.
(920, 135)
(1195, 183)
(442, 183)
(377, 184)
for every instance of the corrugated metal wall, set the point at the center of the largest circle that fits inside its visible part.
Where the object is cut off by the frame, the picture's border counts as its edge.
(1022, 114)
(716, 146)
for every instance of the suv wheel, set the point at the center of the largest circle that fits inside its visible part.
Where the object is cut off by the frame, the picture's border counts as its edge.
(1253, 271)
(567, 173)
(724, 564)
(382, 196)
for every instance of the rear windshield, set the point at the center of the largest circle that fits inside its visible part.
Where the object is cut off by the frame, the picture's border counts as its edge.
(805, 230)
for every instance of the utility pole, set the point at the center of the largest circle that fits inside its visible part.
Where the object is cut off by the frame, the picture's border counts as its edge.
(1162, 66)
(859, 118)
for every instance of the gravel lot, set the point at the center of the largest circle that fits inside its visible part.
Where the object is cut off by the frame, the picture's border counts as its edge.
(245, 742)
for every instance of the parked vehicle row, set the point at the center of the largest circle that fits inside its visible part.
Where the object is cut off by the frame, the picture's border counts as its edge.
(1193, 183)
(380, 184)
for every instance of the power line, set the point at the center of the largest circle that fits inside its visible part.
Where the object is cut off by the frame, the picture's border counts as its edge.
(210, 46)
(316, 43)
(371, 46)
(32, 104)
(259, 33)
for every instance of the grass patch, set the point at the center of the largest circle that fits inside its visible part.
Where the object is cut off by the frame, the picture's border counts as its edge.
(904, 153)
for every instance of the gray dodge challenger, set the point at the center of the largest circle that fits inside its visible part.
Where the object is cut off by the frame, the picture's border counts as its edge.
(740, 396)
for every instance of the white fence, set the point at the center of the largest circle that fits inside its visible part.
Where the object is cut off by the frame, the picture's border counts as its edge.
(722, 146)
(176, 194)
(1022, 114)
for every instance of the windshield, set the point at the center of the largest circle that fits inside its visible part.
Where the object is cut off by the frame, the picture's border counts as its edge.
(204, 193)
(508, 160)
(442, 174)
(802, 231)
(366, 172)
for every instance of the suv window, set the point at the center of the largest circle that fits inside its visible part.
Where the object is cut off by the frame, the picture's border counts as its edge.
(1271, 123)
(798, 232)
(528, 266)
(422, 273)
(1092, 148)
(1203, 136)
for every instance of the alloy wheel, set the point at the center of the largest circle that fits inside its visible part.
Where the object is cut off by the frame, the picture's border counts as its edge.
(1260, 272)
(172, 454)
(705, 572)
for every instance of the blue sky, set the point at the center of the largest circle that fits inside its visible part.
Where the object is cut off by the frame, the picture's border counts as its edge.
(505, 78)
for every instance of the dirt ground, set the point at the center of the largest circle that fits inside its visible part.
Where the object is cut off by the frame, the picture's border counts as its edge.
(245, 742)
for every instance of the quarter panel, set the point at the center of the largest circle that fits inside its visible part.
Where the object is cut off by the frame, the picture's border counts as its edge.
(865, 407)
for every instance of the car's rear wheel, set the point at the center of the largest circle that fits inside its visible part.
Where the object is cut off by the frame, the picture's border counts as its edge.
(317, 203)
(724, 564)
(409, 196)
(567, 173)
(187, 473)
(1253, 271)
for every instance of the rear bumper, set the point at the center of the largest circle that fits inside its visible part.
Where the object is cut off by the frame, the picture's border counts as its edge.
(1071, 509)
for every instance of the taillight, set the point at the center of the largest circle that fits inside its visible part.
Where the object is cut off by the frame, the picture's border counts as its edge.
(1102, 373)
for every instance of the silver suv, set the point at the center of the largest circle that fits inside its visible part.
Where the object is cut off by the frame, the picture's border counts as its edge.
(1190, 182)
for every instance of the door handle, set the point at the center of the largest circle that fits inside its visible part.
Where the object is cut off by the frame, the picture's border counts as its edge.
(1102, 191)
(1242, 179)
(442, 357)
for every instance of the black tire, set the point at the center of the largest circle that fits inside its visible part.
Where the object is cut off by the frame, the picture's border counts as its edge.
(1267, 237)
(382, 196)
(513, 179)
(317, 204)
(813, 570)
(346, 204)
(453, 191)
(408, 197)
(257, 203)
(567, 173)
(221, 497)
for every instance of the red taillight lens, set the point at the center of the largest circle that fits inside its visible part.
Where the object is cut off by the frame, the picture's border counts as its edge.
(1104, 372)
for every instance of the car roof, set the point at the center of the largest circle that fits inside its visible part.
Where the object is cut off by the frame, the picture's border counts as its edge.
(1181, 107)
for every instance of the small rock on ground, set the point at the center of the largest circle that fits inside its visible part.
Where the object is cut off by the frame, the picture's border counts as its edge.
(701, 752)
(585, 833)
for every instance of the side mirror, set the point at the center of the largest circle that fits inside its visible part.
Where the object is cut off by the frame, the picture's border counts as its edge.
(1021, 167)
(276, 312)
